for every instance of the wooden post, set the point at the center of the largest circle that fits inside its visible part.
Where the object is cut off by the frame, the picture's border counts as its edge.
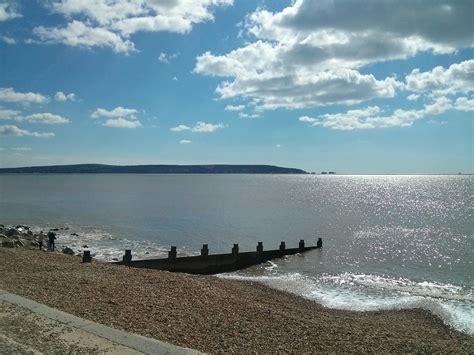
(282, 246)
(320, 243)
(86, 256)
(235, 249)
(172, 253)
(301, 245)
(204, 251)
(127, 256)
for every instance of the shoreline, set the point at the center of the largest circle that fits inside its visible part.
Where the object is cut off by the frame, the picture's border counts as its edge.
(211, 314)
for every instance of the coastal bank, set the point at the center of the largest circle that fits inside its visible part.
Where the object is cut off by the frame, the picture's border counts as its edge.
(215, 315)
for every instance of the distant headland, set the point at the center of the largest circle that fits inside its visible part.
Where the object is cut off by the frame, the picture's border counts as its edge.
(152, 169)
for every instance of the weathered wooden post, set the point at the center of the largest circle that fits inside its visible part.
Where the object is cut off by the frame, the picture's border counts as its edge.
(260, 248)
(319, 244)
(86, 256)
(235, 249)
(127, 257)
(204, 251)
(172, 253)
(301, 245)
(282, 246)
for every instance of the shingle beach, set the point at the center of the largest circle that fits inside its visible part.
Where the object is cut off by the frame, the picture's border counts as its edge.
(215, 315)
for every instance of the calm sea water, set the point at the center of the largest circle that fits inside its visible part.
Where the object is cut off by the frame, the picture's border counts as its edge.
(389, 241)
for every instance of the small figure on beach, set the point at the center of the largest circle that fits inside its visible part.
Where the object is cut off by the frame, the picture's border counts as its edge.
(51, 239)
(40, 240)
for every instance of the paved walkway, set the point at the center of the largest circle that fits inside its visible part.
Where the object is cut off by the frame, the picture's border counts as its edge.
(33, 328)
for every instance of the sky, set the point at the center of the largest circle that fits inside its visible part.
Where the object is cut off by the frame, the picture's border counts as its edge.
(372, 86)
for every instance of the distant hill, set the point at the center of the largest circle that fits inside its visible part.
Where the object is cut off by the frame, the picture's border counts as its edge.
(152, 169)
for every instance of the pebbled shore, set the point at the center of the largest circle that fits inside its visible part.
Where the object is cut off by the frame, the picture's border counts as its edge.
(215, 315)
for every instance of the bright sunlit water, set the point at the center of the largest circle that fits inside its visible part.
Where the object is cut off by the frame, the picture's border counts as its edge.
(389, 241)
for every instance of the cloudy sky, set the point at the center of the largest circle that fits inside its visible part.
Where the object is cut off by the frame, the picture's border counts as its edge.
(369, 86)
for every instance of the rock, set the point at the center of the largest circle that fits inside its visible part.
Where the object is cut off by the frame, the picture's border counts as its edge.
(114, 259)
(75, 234)
(8, 244)
(68, 251)
(54, 229)
(3, 236)
(12, 232)
(85, 246)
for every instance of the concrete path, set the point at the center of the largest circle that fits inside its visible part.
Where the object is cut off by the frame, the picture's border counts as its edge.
(33, 328)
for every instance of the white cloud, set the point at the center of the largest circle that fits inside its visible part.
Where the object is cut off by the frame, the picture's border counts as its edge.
(108, 23)
(200, 127)
(464, 104)
(7, 40)
(309, 53)
(121, 123)
(373, 117)
(165, 58)
(8, 12)
(10, 95)
(79, 34)
(175, 78)
(234, 107)
(248, 115)
(60, 96)
(185, 141)
(413, 97)
(278, 145)
(180, 128)
(457, 79)
(10, 130)
(203, 127)
(46, 118)
(116, 112)
(7, 114)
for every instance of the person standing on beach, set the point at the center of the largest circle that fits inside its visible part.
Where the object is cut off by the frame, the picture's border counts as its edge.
(51, 239)
(40, 240)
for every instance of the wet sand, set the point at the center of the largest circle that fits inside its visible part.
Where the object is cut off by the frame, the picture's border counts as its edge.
(215, 315)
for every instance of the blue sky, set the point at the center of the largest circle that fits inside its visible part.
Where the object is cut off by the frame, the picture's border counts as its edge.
(350, 86)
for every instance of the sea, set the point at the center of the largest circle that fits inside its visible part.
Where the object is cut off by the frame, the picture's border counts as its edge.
(389, 242)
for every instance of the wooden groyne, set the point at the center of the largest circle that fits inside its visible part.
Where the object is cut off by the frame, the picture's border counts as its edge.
(214, 264)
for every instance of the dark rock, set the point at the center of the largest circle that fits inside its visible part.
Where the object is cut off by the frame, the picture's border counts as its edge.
(19, 243)
(12, 232)
(68, 251)
(8, 244)
(85, 246)
(75, 234)
(114, 259)
(54, 229)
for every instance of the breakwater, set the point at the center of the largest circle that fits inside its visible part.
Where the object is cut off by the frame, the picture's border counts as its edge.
(206, 264)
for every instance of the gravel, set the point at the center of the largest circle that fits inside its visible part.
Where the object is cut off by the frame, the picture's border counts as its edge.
(215, 315)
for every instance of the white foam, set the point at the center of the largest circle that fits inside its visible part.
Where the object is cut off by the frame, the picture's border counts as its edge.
(372, 293)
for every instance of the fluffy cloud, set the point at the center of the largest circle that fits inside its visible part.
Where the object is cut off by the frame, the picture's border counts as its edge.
(200, 127)
(165, 58)
(373, 116)
(79, 34)
(7, 12)
(457, 79)
(7, 40)
(119, 117)
(248, 115)
(234, 107)
(185, 141)
(309, 53)
(116, 112)
(10, 130)
(60, 96)
(110, 23)
(10, 95)
(121, 123)
(46, 118)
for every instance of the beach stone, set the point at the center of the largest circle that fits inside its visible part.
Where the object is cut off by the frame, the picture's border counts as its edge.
(8, 243)
(12, 232)
(19, 243)
(68, 251)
